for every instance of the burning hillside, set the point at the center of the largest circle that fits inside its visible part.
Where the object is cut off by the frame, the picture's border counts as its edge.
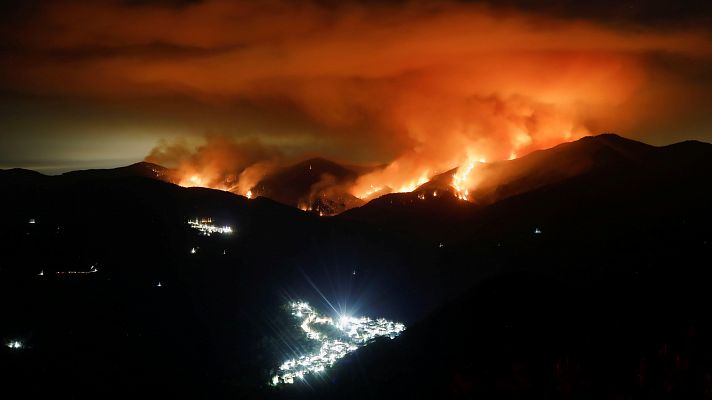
(318, 185)
(419, 91)
(327, 188)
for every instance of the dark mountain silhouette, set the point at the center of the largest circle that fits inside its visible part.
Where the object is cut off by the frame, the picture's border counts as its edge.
(438, 183)
(217, 308)
(593, 153)
(20, 176)
(604, 158)
(587, 284)
(316, 185)
(594, 286)
(141, 169)
(502, 179)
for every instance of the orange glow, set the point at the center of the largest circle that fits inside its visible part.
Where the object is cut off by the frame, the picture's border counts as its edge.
(460, 180)
(418, 88)
(194, 181)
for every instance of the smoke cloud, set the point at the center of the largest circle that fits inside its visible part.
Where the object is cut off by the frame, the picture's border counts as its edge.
(220, 162)
(421, 87)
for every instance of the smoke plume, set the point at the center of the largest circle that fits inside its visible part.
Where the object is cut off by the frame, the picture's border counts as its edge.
(421, 87)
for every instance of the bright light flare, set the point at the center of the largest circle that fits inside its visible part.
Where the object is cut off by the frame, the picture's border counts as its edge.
(15, 344)
(352, 334)
(206, 227)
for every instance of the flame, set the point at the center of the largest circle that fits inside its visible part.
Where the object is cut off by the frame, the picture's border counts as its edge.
(404, 82)
(194, 180)
(442, 90)
(412, 185)
(216, 162)
(370, 193)
(459, 179)
(405, 174)
(389, 180)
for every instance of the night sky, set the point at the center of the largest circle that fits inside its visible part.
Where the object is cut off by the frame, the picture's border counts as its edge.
(107, 83)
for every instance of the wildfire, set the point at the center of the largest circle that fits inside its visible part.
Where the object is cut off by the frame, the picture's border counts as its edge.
(458, 181)
(405, 174)
(412, 185)
(461, 179)
(408, 186)
(372, 191)
(207, 180)
(193, 180)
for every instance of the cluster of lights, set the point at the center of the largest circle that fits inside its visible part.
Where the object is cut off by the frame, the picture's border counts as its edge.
(14, 344)
(353, 333)
(92, 270)
(206, 227)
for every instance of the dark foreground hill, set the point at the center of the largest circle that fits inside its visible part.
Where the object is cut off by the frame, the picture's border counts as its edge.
(592, 285)
(214, 325)
(600, 289)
